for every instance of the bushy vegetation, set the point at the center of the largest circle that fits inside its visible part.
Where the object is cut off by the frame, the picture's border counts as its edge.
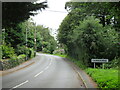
(13, 61)
(7, 51)
(29, 52)
(48, 43)
(90, 34)
(112, 64)
(105, 78)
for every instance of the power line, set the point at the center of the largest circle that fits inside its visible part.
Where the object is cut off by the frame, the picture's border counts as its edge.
(56, 11)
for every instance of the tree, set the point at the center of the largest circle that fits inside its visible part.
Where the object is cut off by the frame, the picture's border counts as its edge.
(107, 12)
(92, 40)
(48, 43)
(15, 12)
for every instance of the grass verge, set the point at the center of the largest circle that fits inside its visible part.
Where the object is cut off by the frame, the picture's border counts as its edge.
(105, 78)
(64, 56)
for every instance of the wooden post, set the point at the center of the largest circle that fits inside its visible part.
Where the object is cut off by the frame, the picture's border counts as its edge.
(94, 65)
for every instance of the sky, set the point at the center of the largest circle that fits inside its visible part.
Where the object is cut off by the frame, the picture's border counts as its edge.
(52, 16)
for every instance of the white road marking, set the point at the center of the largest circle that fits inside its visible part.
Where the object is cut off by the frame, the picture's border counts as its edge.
(38, 74)
(20, 84)
(44, 69)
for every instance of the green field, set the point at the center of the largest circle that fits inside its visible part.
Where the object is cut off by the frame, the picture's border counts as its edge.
(105, 78)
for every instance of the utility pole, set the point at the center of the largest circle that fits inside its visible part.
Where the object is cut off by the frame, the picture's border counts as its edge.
(3, 36)
(35, 47)
(26, 42)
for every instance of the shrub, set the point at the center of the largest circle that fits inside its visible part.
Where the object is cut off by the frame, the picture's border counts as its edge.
(21, 58)
(7, 51)
(45, 50)
(29, 52)
(112, 64)
(13, 61)
(20, 50)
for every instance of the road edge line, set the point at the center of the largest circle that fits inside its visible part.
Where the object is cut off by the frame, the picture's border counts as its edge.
(80, 76)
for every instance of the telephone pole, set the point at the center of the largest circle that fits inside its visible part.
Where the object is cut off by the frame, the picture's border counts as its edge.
(35, 47)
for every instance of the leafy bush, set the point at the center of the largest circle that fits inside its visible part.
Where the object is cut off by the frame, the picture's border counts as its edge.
(16, 60)
(77, 62)
(112, 64)
(29, 52)
(7, 51)
(45, 50)
(105, 78)
(13, 61)
(20, 50)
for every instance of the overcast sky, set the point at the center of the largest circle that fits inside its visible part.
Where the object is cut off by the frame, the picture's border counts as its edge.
(53, 15)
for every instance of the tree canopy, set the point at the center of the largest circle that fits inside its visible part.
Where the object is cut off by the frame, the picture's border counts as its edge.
(16, 12)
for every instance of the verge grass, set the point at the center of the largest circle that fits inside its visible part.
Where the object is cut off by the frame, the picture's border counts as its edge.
(105, 78)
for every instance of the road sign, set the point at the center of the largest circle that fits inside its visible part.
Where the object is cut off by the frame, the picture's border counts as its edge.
(99, 60)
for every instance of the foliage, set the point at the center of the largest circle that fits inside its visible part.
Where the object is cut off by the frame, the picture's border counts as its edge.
(20, 50)
(48, 43)
(107, 12)
(13, 37)
(32, 53)
(112, 64)
(79, 63)
(98, 42)
(106, 78)
(89, 40)
(29, 52)
(28, 32)
(7, 51)
(13, 61)
(16, 12)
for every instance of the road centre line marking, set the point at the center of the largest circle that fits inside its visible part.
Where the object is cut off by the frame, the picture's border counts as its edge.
(20, 84)
(38, 74)
(44, 69)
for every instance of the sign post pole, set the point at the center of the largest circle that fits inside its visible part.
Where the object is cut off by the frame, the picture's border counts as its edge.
(94, 65)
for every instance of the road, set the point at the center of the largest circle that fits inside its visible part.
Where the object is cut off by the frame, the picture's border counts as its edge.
(48, 71)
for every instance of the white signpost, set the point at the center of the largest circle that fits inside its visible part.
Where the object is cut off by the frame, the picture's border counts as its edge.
(99, 61)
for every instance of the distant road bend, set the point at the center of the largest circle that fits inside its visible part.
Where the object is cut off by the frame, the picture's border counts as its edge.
(48, 71)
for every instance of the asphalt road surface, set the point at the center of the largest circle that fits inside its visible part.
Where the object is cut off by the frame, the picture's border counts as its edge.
(48, 71)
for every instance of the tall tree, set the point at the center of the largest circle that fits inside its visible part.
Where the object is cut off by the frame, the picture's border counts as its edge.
(16, 12)
(107, 12)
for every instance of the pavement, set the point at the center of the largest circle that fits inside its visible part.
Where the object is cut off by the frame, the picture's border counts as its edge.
(46, 71)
